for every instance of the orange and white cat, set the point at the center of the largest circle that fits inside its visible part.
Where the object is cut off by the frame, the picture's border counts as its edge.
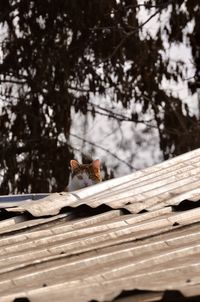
(83, 175)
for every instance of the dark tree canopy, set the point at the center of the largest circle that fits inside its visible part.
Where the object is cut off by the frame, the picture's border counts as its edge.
(52, 52)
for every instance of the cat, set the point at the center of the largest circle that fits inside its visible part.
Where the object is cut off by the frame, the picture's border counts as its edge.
(83, 175)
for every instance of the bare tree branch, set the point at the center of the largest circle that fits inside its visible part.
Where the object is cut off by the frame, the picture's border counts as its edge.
(13, 82)
(120, 117)
(135, 29)
(104, 149)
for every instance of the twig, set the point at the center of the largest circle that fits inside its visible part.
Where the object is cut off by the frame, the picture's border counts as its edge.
(120, 117)
(135, 30)
(104, 149)
(13, 82)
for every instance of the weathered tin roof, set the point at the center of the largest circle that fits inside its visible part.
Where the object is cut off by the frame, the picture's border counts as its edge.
(135, 237)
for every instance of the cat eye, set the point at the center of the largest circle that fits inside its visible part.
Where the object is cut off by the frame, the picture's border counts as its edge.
(80, 176)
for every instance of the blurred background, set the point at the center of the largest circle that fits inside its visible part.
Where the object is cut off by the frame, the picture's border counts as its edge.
(114, 80)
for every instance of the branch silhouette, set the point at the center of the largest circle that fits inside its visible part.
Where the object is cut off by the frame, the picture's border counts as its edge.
(104, 149)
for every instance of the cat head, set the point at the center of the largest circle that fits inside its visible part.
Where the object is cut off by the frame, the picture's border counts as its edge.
(84, 175)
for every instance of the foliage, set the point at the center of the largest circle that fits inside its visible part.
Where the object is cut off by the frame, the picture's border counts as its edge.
(57, 54)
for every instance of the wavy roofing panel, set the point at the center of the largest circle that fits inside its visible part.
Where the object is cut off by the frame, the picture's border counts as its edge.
(101, 256)
(168, 183)
(89, 252)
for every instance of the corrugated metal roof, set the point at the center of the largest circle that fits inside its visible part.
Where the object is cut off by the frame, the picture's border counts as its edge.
(112, 252)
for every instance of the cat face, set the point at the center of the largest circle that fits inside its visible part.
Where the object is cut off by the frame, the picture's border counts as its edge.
(84, 175)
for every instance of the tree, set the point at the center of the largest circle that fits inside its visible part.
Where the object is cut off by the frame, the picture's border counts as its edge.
(56, 55)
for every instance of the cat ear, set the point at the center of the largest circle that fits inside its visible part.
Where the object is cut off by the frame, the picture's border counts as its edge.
(96, 164)
(74, 164)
